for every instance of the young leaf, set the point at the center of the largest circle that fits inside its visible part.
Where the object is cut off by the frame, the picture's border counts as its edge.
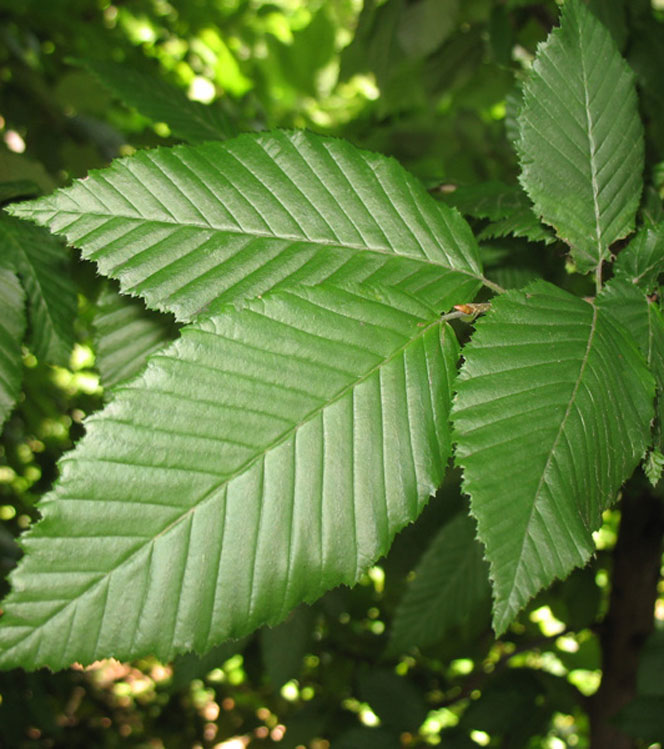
(12, 328)
(552, 414)
(194, 225)
(157, 99)
(642, 261)
(126, 334)
(581, 138)
(450, 589)
(266, 456)
(41, 262)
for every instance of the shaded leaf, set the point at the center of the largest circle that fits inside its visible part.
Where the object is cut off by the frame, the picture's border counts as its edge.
(191, 226)
(41, 262)
(450, 588)
(581, 138)
(269, 454)
(160, 101)
(642, 261)
(537, 366)
(126, 334)
(12, 329)
(395, 700)
(506, 206)
(641, 318)
(284, 646)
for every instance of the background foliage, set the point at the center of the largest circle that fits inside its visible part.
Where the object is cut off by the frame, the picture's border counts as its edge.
(434, 83)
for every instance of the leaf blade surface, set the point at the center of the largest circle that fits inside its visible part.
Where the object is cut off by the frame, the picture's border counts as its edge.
(541, 461)
(192, 228)
(269, 454)
(581, 138)
(12, 328)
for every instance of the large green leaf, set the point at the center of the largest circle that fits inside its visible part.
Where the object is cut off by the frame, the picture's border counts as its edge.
(157, 99)
(552, 414)
(188, 226)
(126, 334)
(450, 588)
(41, 262)
(581, 138)
(266, 456)
(12, 328)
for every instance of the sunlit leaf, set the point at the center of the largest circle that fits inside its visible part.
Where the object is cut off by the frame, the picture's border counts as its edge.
(581, 138)
(269, 454)
(193, 227)
(12, 328)
(541, 461)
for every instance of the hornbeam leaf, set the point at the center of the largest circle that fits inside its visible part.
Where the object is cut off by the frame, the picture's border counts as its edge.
(269, 454)
(126, 334)
(157, 99)
(41, 262)
(12, 328)
(581, 138)
(541, 460)
(642, 261)
(195, 225)
(450, 588)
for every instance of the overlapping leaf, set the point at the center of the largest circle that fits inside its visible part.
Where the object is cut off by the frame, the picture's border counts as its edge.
(552, 414)
(161, 102)
(126, 334)
(581, 138)
(642, 261)
(41, 262)
(507, 207)
(197, 226)
(450, 588)
(12, 328)
(269, 454)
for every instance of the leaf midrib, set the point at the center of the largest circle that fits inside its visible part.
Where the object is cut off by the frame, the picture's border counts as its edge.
(210, 494)
(391, 252)
(563, 422)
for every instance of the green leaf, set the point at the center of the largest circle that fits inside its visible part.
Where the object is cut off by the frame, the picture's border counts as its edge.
(284, 646)
(126, 335)
(642, 261)
(160, 101)
(581, 138)
(508, 208)
(395, 700)
(18, 188)
(450, 588)
(641, 318)
(269, 454)
(12, 329)
(535, 371)
(41, 262)
(653, 466)
(189, 226)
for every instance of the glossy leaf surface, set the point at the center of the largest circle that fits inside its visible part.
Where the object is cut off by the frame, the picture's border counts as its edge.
(581, 138)
(268, 455)
(541, 460)
(191, 228)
